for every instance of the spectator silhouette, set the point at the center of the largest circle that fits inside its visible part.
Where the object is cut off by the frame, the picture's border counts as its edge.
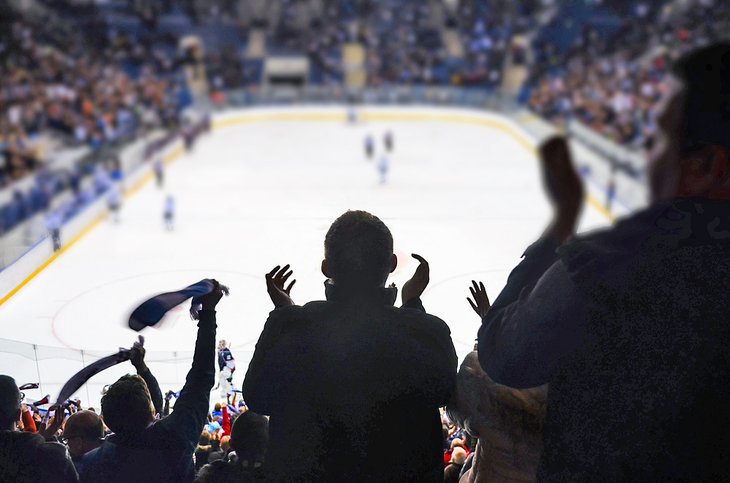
(348, 379)
(83, 432)
(143, 449)
(26, 456)
(630, 325)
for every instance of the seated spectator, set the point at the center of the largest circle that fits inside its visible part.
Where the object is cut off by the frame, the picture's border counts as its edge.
(630, 326)
(83, 432)
(453, 469)
(26, 456)
(342, 377)
(249, 440)
(142, 449)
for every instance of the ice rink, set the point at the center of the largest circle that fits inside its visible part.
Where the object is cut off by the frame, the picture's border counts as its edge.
(250, 196)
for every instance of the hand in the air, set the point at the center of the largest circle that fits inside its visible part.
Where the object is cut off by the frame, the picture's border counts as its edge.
(414, 287)
(481, 304)
(563, 186)
(275, 282)
(211, 299)
(137, 355)
(55, 422)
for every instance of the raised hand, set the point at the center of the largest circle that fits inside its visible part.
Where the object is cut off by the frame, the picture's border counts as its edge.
(414, 287)
(210, 300)
(54, 424)
(481, 304)
(563, 186)
(275, 282)
(137, 355)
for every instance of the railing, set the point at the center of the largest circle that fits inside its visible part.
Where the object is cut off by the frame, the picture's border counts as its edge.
(51, 367)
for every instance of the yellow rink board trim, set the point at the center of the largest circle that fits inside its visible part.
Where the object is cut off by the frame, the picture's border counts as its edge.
(50, 259)
(244, 119)
(169, 158)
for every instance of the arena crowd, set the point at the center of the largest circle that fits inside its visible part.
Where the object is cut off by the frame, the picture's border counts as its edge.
(603, 358)
(60, 91)
(614, 84)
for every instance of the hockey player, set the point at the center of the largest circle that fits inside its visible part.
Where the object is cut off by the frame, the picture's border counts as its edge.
(114, 201)
(226, 366)
(383, 167)
(54, 221)
(159, 169)
(169, 212)
(369, 147)
(388, 141)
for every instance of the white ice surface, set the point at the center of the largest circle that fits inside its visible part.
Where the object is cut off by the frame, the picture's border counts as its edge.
(468, 198)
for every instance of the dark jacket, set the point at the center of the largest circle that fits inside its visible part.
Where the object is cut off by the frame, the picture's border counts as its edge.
(353, 386)
(228, 472)
(28, 458)
(631, 328)
(163, 452)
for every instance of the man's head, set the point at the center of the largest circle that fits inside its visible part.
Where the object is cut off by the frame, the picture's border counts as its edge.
(692, 147)
(9, 403)
(250, 437)
(127, 406)
(358, 251)
(84, 432)
(221, 344)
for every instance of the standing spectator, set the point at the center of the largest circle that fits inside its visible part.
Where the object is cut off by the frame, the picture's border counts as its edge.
(143, 449)
(343, 377)
(25, 456)
(630, 326)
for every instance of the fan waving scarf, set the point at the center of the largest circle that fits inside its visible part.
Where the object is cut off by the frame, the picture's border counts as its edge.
(151, 311)
(80, 378)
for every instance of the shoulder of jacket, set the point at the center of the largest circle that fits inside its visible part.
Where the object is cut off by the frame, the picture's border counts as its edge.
(415, 319)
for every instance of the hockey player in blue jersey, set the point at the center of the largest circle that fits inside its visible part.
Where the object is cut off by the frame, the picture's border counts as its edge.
(169, 213)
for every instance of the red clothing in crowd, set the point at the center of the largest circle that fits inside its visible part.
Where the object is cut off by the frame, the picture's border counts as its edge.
(28, 422)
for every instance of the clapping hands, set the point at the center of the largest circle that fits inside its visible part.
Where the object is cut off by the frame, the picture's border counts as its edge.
(275, 282)
(563, 186)
(415, 287)
(481, 304)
